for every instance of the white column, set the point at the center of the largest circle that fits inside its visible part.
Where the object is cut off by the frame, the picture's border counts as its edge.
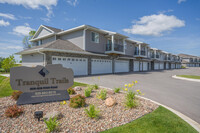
(113, 41)
(139, 49)
(124, 45)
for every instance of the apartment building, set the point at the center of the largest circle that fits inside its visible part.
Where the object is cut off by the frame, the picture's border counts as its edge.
(89, 50)
(190, 60)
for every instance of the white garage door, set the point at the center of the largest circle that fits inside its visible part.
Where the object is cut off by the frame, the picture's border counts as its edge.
(173, 66)
(78, 65)
(156, 66)
(101, 66)
(145, 66)
(136, 66)
(167, 65)
(161, 65)
(121, 66)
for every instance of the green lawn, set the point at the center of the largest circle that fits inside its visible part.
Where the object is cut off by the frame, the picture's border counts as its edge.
(6, 90)
(159, 121)
(189, 76)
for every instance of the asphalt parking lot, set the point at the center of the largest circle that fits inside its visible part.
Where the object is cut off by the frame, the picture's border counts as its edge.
(181, 95)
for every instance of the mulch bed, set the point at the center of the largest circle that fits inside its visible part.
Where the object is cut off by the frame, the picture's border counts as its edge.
(74, 120)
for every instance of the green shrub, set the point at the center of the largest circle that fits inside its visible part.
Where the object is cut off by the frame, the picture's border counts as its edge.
(13, 111)
(183, 67)
(131, 103)
(92, 112)
(96, 86)
(102, 94)
(71, 91)
(16, 94)
(52, 124)
(116, 90)
(2, 70)
(130, 94)
(90, 87)
(77, 101)
(87, 92)
(130, 100)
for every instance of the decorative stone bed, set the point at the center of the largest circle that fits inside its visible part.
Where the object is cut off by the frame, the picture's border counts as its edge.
(74, 120)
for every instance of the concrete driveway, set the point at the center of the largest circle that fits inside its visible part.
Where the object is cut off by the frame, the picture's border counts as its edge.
(181, 95)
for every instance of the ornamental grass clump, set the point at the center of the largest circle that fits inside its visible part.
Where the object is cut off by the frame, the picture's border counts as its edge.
(92, 112)
(116, 90)
(87, 92)
(77, 101)
(52, 124)
(96, 86)
(16, 94)
(131, 100)
(13, 111)
(102, 94)
(71, 91)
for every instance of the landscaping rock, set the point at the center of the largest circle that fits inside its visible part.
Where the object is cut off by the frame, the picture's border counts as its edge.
(111, 92)
(77, 88)
(52, 114)
(110, 102)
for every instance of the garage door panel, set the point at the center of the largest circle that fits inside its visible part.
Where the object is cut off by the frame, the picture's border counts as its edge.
(101, 66)
(78, 65)
(121, 66)
(156, 66)
(136, 66)
(145, 66)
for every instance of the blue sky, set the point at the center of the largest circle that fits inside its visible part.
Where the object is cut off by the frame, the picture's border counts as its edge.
(169, 25)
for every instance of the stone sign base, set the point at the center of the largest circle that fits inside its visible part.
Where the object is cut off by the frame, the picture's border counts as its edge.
(42, 97)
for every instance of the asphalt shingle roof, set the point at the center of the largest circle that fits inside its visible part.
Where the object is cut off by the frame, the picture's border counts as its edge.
(53, 29)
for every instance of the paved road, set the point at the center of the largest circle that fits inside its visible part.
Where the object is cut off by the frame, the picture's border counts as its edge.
(181, 95)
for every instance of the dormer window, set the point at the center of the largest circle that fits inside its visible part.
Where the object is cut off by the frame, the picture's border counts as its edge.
(95, 37)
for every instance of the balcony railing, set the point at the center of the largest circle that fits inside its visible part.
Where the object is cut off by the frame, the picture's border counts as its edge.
(143, 53)
(117, 47)
(157, 56)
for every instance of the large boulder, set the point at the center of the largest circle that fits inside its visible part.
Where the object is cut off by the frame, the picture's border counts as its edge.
(53, 114)
(110, 92)
(110, 102)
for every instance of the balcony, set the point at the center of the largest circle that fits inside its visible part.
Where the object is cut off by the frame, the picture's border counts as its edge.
(157, 56)
(117, 48)
(141, 53)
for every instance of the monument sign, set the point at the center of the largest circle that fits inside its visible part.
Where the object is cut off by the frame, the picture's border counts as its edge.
(41, 84)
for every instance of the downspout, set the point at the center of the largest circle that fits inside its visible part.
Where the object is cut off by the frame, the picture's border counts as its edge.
(84, 38)
(44, 55)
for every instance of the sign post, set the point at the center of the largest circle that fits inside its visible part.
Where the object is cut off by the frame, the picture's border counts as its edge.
(41, 84)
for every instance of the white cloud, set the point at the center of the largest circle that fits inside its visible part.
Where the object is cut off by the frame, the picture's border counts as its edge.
(12, 47)
(165, 11)
(180, 1)
(8, 16)
(22, 30)
(34, 4)
(72, 2)
(4, 23)
(155, 25)
(45, 19)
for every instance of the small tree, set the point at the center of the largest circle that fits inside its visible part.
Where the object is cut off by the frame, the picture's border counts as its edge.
(8, 63)
(1, 60)
(26, 42)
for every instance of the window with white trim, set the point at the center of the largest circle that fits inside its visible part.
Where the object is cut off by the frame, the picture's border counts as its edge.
(95, 37)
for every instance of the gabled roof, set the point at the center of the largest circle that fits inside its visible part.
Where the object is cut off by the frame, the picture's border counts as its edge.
(187, 56)
(58, 46)
(56, 30)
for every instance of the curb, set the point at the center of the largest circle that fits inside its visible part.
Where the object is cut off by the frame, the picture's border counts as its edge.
(188, 79)
(191, 122)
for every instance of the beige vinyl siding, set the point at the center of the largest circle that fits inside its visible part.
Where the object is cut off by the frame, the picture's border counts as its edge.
(95, 47)
(74, 37)
(32, 60)
(43, 32)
